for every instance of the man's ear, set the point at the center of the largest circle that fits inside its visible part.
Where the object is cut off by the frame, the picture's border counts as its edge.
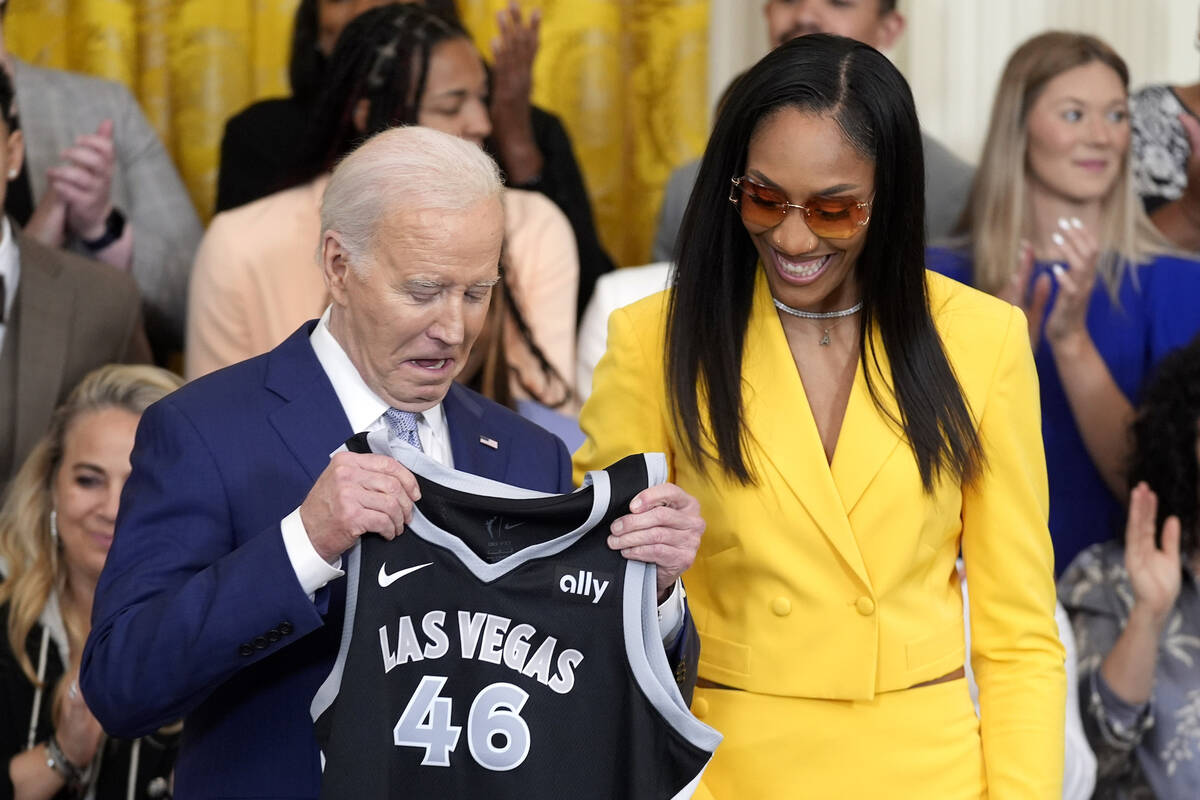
(891, 25)
(335, 266)
(15, 151)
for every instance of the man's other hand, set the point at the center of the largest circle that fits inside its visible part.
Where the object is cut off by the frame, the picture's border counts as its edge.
(355, 494)
(664, 528)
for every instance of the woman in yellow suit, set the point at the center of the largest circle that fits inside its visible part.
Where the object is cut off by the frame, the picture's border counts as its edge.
(847, 421)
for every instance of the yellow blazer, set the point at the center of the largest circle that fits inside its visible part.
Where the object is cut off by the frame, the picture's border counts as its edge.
(838, 581)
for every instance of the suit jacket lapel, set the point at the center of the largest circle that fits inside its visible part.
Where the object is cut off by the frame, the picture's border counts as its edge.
(471, 436)
(46, 314)
(312, 417)
(868, 437)
(781, 422)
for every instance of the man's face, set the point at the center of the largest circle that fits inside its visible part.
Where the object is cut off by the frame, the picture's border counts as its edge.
(407, 318)
(857, 19)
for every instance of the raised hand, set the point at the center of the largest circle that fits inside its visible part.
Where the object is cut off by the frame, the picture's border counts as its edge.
(663, 528)
(513, 52)
(1154, 572)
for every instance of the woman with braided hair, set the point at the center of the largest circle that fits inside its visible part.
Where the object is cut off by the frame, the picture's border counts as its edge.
(255, 281)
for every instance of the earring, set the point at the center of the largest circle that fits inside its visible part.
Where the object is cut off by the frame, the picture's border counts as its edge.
(12, 174)
(54, 526)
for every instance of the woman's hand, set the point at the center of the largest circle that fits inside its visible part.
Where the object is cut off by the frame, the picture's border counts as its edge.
(1030, 299)
(1154, 573)
(513, 52)
(1079, 249)
(77, 731)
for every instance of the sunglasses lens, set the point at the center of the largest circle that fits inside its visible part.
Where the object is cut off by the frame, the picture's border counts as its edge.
(827, 217)
(835, 217)
(761, 206)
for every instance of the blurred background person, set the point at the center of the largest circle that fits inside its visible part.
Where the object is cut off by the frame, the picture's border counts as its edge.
(1166, 157)
(1053, 226)
(56, 526)
(61, 315)
(1135, 606)
(260, 153)
(818, 399)
(96, 180)
(875, 22)
(255, 280)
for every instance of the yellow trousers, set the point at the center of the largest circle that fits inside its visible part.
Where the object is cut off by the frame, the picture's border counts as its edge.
(917, 743)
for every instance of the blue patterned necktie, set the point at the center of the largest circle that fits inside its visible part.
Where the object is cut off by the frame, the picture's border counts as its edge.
(403, 425)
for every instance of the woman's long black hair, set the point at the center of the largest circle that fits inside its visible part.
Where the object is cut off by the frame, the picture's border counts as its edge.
(1164, 442)
(382, 56)
(715, 271)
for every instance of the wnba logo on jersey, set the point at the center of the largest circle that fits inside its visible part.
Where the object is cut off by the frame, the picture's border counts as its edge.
(582, 584)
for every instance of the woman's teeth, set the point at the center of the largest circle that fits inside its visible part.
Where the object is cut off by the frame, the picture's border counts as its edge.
(803, 269)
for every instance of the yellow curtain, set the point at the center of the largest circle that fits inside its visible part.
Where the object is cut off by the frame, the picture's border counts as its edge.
(628, 78)
(191, 63)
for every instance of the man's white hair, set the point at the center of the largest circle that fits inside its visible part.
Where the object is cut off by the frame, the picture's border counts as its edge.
(403, 168)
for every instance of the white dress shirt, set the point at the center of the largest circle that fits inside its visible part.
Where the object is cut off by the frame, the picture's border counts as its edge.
(364, 409)
(10, 269)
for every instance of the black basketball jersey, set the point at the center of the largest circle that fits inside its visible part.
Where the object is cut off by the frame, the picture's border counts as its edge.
(500, 649)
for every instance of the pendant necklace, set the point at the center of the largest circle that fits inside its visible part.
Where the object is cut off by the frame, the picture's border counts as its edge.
(820, 316)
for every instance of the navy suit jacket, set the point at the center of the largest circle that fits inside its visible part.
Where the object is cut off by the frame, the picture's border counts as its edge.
(198, 613)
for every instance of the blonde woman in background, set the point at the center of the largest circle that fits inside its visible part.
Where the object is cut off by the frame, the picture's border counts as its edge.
(1053, 226)
(56, 526)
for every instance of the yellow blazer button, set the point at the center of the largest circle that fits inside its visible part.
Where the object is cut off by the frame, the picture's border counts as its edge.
(781, 606)
(865, 606)
(700, 707)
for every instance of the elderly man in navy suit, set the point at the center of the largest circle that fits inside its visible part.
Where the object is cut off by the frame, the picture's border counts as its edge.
(222, 597)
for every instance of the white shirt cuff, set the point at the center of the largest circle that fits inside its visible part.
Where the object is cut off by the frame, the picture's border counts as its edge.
(312, 571)
(670, 613)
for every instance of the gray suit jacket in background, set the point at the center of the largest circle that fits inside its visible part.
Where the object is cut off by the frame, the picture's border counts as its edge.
(55, 107)
(947, 184)
(70, 316)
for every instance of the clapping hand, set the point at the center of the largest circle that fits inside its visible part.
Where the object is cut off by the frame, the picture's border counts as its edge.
(78, 733)
(1154, 572)
(1031, 300)
(84, 181)
(1076, 246)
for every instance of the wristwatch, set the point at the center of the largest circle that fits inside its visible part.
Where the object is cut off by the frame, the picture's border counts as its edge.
(114, 226)
(57, 761)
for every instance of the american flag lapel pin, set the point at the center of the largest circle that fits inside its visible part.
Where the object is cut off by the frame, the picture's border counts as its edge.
(488, 441)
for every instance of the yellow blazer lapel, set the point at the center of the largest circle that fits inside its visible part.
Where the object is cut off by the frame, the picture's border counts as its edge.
(868, 437)
(784, 432)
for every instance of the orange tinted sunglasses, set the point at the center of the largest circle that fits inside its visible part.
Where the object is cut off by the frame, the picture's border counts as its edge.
(827, 217)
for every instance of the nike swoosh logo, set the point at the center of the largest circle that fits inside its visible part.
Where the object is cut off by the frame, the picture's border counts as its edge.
(386, 580)
(508, 526)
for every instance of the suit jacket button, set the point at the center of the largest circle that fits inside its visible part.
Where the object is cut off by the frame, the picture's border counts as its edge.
(246, 650)
(865, 606)
(781, 606)
(700, 707)
(285, 628)
(260, 642)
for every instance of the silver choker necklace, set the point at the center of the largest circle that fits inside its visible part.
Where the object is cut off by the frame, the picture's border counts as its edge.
(820, 316)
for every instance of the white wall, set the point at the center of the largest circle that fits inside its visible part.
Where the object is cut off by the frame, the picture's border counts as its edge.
(952, 51)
